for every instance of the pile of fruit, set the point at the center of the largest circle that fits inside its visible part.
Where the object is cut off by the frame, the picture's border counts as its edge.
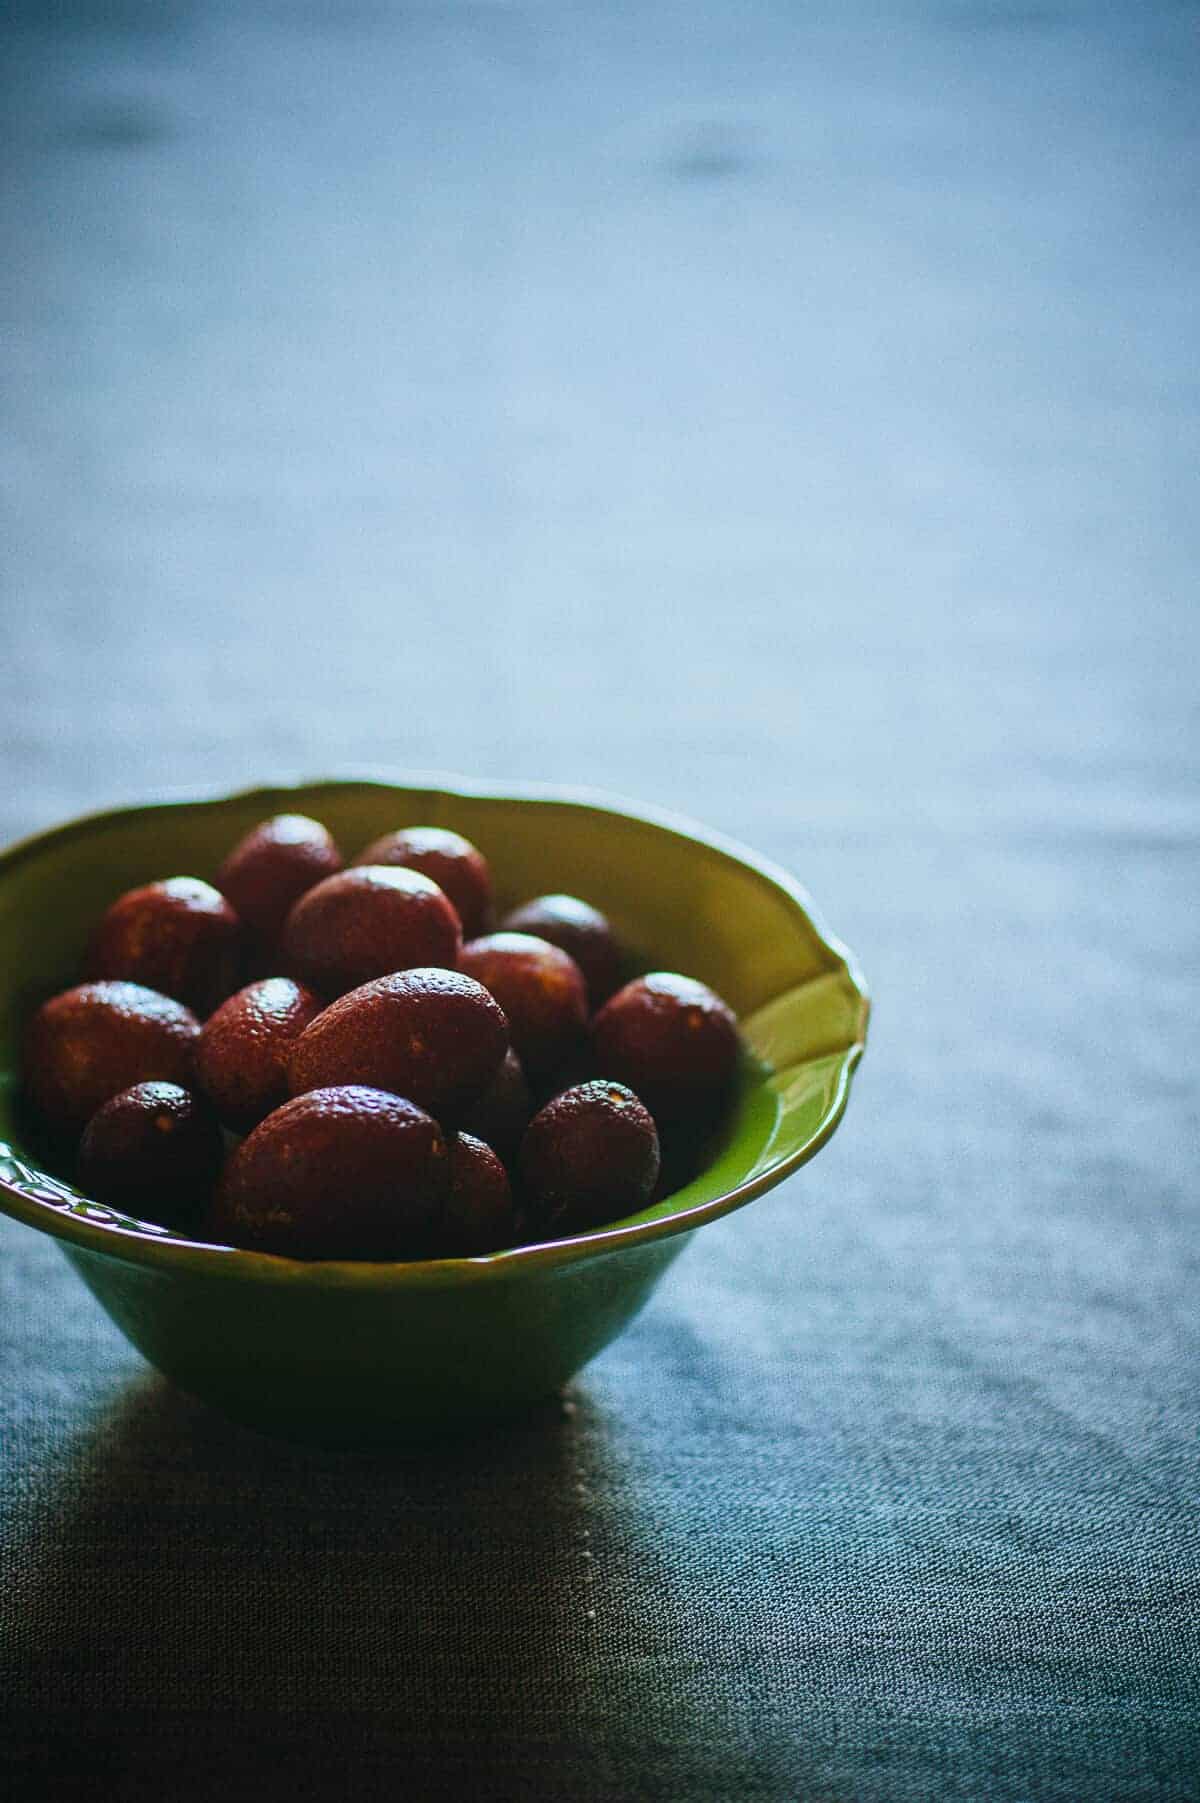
(331, 1062)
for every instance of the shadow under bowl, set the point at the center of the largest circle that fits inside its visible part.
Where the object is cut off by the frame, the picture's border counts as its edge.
(359, 1352)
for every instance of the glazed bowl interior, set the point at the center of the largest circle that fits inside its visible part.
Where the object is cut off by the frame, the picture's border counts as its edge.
(678, 898)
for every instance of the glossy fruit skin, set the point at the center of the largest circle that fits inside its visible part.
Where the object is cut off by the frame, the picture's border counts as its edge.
(155, 1149)
(671, 1039)
(501, 1114)
(343, 1172)
(91, 1042)
(242, 1053)
(589, 1156)
(578, 929)
(368, 922)
(453, 863)
(432, 1035)
(269, 869)
(541, 990)
(478, 1215)
(180, 936)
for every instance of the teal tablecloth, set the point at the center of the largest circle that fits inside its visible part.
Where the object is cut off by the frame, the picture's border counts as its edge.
(786, 414)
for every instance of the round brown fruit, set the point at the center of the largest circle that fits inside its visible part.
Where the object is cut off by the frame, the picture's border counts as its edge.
(501, 1114)
(242, 1054)
(276, 863)
(589, 1156)
(432, 1035)
(451, 861)
(578, 929)
(345, 1172)
(478, 1215)
(368, 922)
(89, 1043)
(539, 987)
(671, 1039)
(180, 937)
(154, 1149)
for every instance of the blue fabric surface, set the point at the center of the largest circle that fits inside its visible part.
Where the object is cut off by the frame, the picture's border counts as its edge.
(783, 414)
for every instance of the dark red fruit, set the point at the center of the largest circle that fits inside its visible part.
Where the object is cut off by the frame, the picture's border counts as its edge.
(577, 929)
(589, 1156)
(541, 990)
(89, 1043)
(154, 1149)
(452, 862)
(432, 1035)
(368, 922)
(669, 1038)
(276, 863)
(345, 1172)
(180, 937)
(478, 1215)
(503, 1111)
(241, 1058)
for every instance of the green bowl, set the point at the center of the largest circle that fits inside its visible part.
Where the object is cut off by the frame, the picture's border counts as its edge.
(357, 1352)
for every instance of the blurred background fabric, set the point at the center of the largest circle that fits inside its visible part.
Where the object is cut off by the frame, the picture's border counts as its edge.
(786, 414)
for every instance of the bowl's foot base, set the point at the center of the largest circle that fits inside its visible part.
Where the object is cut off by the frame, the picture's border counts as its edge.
(345, 1433)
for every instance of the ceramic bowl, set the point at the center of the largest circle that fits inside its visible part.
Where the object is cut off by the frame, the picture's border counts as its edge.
(358, 1352)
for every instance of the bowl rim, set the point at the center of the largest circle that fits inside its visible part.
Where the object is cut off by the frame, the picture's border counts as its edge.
(106, 1233)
